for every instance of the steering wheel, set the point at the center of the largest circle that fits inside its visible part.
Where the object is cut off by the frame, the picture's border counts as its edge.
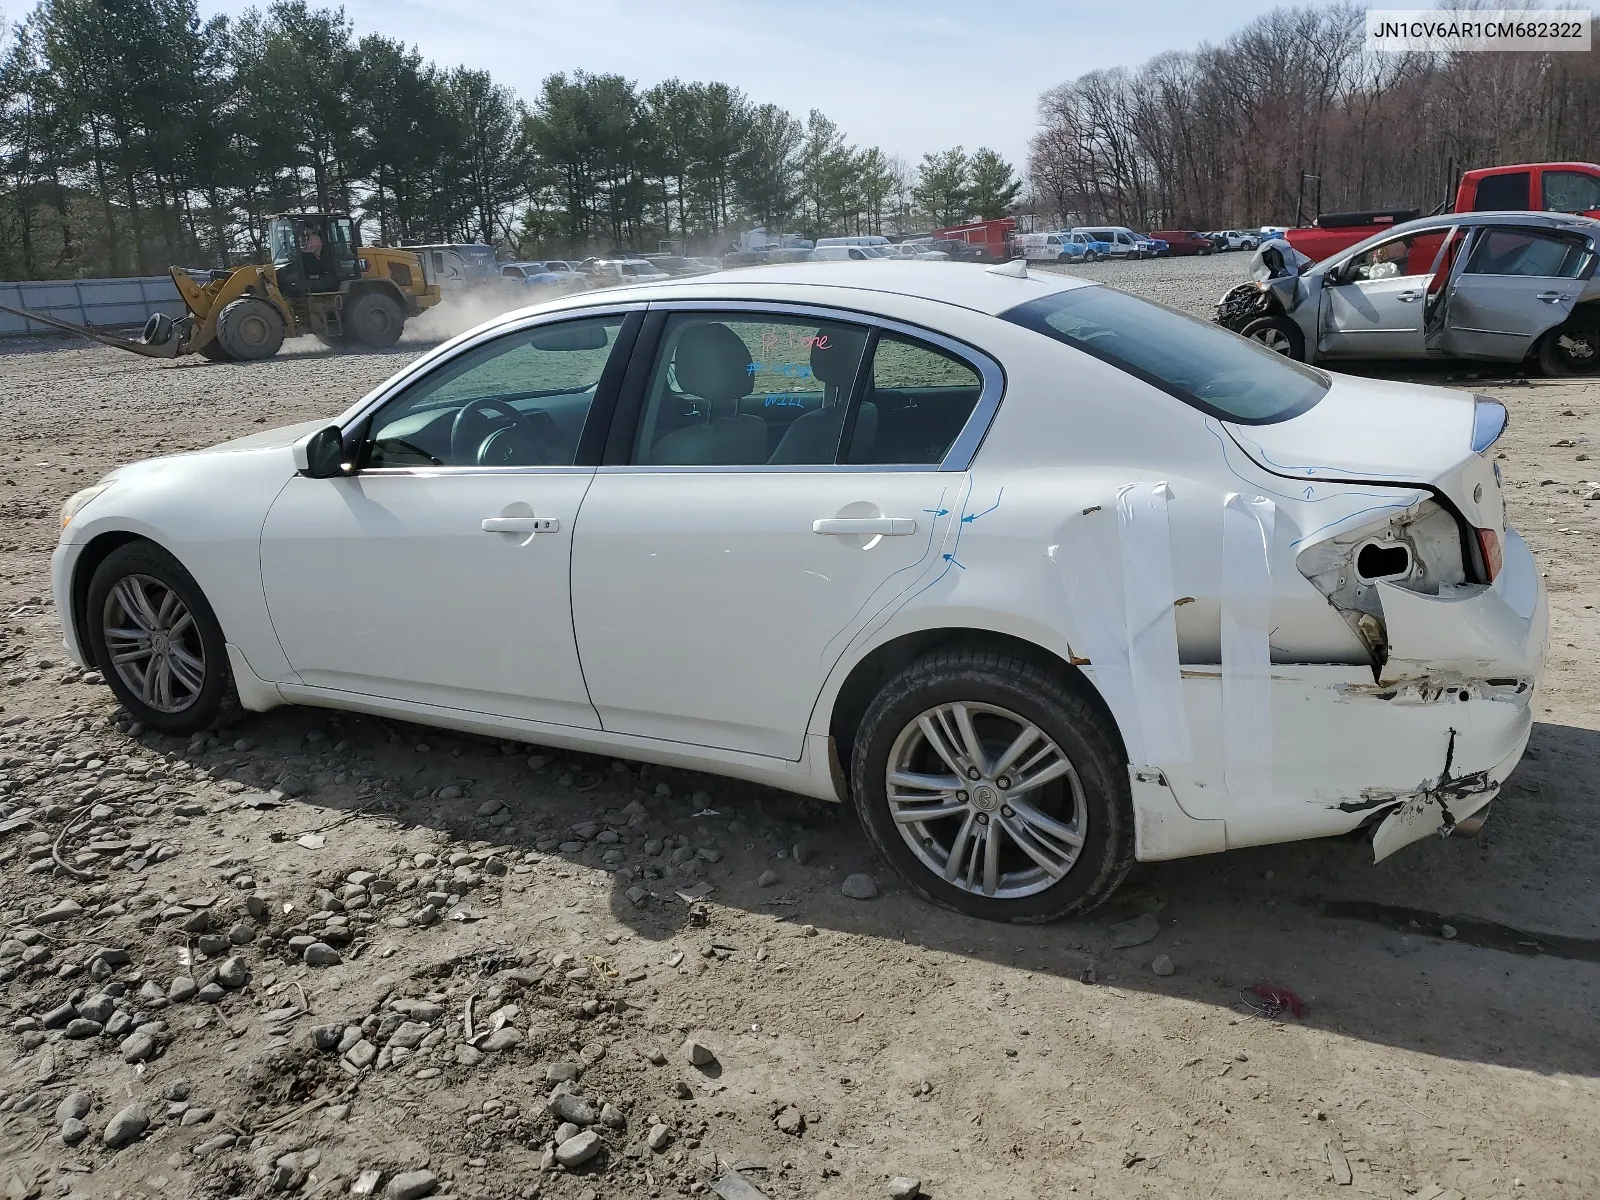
(469, 447)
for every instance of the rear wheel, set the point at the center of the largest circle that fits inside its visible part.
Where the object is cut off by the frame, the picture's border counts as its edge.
(250, 329)
(213, 350)
(994, 788)
(1572, 348)
(1278, 334)
(157, 641)
(374, 320)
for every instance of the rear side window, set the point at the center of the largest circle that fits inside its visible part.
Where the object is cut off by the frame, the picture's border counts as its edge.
(917, 403)
(1497, 193)
(1523, 252)
(1199, 363)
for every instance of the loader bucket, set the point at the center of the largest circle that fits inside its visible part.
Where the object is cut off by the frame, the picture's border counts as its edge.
(170, 348)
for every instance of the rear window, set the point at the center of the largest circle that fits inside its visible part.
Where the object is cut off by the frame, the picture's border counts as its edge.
(1193, 360)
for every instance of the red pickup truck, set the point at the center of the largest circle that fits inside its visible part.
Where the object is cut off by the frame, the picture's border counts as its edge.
(1570, 187)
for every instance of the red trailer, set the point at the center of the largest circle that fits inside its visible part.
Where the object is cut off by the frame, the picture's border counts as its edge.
(986, 239)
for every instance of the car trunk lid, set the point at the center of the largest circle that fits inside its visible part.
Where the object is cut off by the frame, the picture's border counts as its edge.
(1400, 434)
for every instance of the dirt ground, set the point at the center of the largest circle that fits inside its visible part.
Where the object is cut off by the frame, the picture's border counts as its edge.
(506, 924)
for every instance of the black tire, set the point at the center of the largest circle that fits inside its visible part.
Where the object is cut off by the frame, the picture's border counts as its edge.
(192, 705)
(1279, 334)
(250, 329)
(213, 351)
(374, 320)
(1572, 348)
(157, 330)
(1090, 256)
(1065, 716)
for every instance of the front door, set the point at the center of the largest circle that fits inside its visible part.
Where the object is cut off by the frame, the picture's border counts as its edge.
(1516, 284)
(789, 480)
(438, 571)
(1375, 305)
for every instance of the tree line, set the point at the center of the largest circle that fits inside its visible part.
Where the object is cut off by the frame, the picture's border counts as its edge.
(1220, 136)
(134, 134)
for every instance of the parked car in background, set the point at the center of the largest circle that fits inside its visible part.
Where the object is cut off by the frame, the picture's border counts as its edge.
(1239, 239)
(609, 272)
(1121, 242)
(1154, 246)
(1062, 247)
(1497, 286)
(678, 265)
(825, 253)
(566, 270)
(863, 239)
(1267, 232)
(916, 250)
(532, 275)
(980, 605)
(1184, 242)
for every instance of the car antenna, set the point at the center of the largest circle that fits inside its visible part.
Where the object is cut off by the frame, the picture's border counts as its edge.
(1017, 268)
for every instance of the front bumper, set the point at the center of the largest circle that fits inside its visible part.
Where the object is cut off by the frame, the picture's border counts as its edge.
(62, 563)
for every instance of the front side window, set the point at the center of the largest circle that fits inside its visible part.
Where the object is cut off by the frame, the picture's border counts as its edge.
(749, 390)
(1383, 261)
(1195, 361)
(520, 400)
(1572, 191)
(1524, 252)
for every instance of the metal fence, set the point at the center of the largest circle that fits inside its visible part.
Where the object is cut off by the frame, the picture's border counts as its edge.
(103, 303)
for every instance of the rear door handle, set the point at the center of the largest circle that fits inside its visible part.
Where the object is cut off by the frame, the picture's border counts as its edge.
(1552, 297)
(885, 526)
(520, 525)
(1409, 297)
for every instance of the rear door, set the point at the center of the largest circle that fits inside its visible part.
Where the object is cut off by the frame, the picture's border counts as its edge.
(1517, 282)
(786, 475)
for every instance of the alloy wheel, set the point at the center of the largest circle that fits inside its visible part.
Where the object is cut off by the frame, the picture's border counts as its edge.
(1275, 340)
(986, 800)
(154, 643)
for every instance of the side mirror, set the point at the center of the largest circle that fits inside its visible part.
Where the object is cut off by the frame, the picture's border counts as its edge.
(321, 455)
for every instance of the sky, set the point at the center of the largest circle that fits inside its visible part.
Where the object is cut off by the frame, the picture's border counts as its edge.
(910, 76)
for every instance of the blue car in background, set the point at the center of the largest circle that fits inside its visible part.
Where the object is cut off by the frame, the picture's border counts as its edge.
(1153, 247)
(531, 274)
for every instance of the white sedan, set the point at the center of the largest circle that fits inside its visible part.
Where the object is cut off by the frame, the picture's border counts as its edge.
(1044, 578)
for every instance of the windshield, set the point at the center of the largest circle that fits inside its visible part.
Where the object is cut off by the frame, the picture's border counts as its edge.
(1199, 363)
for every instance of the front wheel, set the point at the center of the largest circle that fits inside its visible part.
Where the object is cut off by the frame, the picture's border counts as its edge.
(157, 641)
(1278, 334)
(994, 788)
(250, 329)
(1572, 348)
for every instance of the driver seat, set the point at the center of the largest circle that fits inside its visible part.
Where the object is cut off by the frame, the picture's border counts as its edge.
(713, 364)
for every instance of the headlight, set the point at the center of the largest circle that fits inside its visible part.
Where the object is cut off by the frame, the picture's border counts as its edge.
(77, 500)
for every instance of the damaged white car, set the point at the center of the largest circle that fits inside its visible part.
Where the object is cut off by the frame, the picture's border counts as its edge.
(1044, 578)
(1492, 286)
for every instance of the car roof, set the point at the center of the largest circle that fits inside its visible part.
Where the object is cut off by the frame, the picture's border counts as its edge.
(962, 285)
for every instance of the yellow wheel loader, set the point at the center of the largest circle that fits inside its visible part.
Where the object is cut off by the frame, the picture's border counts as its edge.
(321, 281)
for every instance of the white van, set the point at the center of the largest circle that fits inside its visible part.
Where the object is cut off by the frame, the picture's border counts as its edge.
(860, 253)
(1123, 241)
(1063, 247)
(872, 239)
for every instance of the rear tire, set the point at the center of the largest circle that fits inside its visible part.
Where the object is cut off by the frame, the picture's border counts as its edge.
(213, 350)
(1006, 700)
(1278, 334)
(145, 609)
(250, 329)
(374, 320)
(1572, 348)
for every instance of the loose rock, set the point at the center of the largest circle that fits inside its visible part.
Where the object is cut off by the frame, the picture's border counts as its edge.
(903, 1187)
(411, 1185)
(576, 1151)
(126, 1127)
(860, 887)
(698, 1054)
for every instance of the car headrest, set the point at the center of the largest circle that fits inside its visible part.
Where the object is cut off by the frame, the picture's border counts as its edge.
(713, 363)
(835, 354)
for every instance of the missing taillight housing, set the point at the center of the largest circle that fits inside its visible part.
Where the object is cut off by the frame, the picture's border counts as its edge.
(1489, 549)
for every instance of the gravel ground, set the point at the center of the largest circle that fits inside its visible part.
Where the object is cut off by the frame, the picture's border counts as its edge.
(1192, 284)
(316, 954)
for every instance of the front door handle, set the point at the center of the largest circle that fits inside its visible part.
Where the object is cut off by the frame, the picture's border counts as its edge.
(1409, 297)
(520, 525)
(883, 526)
(1552, 297)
